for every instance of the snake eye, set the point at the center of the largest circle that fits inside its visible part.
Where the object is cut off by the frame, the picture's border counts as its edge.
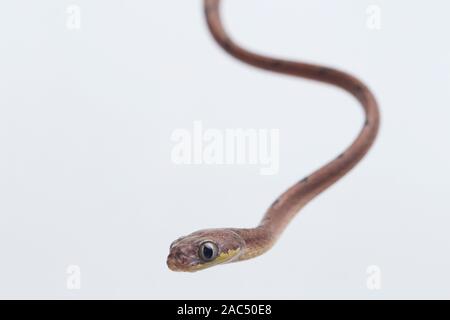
(208, 251)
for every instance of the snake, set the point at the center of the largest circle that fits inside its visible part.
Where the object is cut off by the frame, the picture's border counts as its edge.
(216, 246)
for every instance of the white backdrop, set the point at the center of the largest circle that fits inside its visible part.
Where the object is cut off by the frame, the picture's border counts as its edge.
(88, 190)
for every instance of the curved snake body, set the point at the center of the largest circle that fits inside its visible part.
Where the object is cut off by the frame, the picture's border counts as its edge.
(206, 248)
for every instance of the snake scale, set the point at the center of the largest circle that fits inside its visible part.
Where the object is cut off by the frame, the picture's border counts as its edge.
(210, 247)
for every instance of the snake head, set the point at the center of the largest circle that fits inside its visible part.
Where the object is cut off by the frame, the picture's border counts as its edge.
(204, 249)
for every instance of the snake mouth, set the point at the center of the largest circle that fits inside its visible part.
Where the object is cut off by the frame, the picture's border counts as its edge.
(179, 263)
(172, 263)
(173, 266)
(177, 268)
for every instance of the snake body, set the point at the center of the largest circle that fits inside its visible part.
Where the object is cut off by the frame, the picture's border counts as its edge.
(210, 247)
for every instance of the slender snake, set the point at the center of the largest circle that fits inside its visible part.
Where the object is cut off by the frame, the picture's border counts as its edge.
(210, 247)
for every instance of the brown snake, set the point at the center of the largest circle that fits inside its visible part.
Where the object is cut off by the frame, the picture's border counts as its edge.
(206, 248)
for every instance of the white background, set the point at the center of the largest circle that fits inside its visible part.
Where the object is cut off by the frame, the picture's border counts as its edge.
(86, 176)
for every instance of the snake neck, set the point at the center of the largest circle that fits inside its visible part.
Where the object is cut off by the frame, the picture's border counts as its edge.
(257, 241)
